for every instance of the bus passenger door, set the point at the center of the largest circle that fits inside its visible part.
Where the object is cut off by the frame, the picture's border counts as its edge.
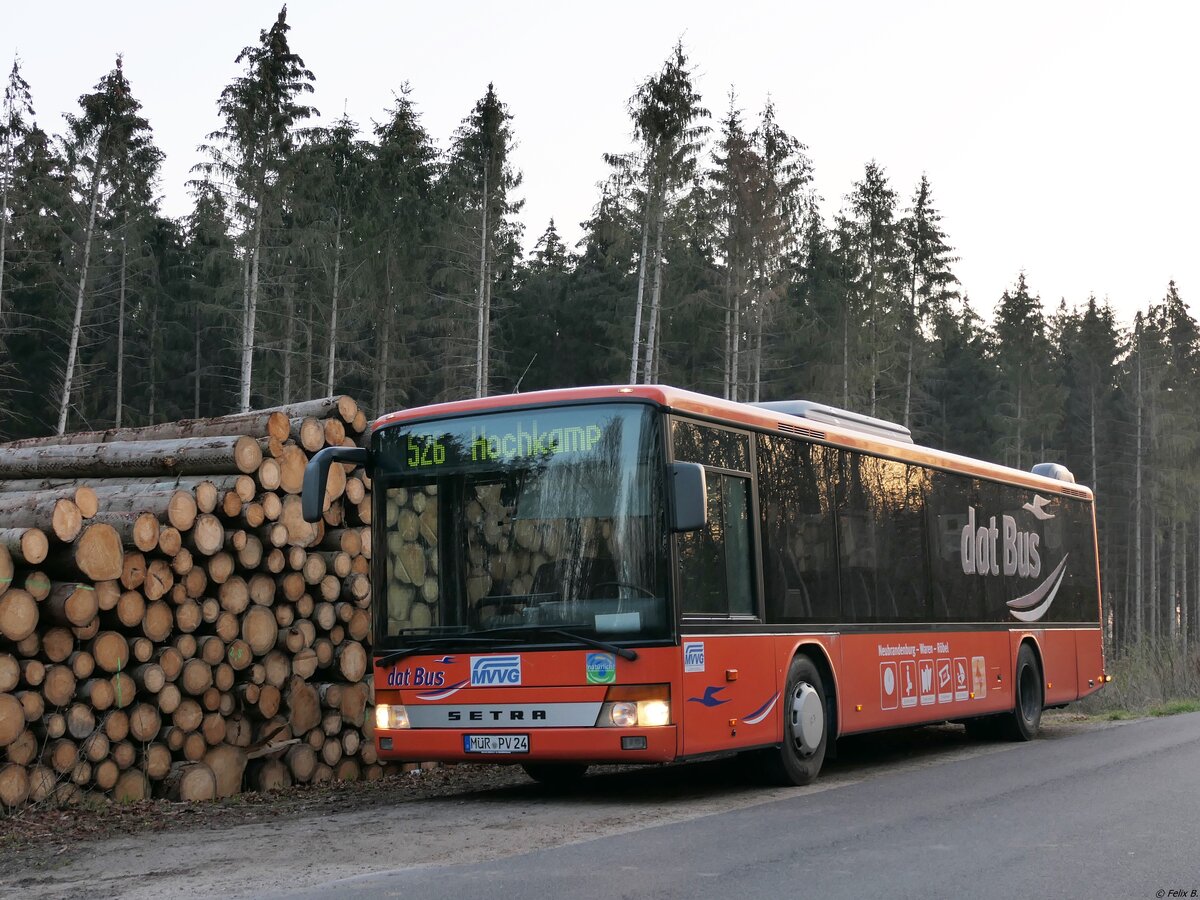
(730, 698)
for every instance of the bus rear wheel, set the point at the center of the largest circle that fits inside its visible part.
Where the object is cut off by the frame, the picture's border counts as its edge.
(1023, 722)
(805, 727)
(556, 774)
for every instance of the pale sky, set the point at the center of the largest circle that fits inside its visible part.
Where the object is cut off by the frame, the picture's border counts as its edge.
(1060, 138)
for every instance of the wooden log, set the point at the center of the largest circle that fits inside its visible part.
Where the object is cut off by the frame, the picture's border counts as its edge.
(303, 706)
(269, 699)
(228, 764)
(135, 529)
(262, 589)
(300, 532)
(268, 476)
(308, 433)
(196, 677)
(110, 649)
(14, 785)
(133, 570)
(81, 663)
(266, 422)
(144, 722)
(98, 693)
(60, 517)
(71, 604)
(141, 649)
(301, 761)
(81, 720)
(267, 775)
(18, 614)
(220, 567)
(11, 672)
(278, 666)
(331, 725)
(97, 553)
(304, 663)
(116, 726)
(155, 760)
(191, 782)
(37, 585)
(347, 770)
(194, 746)
(182, 456)
(213, 727)
(351, 741)
(331, 751)
(108, 594)
(169, 698)
(86, 632)
(170, 541)
(132, 786)
(351, 661)
(58, 687)
(25, 545)
(95, 747)
(131, 608)
(207, 535)
(33, 704)
(239, 655)
(354, 703)
(259, 630)
(188, 716)
(23, 750)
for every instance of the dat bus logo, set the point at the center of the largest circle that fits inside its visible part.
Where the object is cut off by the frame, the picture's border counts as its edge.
(492, 671)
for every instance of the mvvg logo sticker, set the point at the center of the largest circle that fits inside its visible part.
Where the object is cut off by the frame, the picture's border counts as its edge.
(693, 656)
(491, 671)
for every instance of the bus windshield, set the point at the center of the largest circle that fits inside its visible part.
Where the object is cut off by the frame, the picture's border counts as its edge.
(522, 526)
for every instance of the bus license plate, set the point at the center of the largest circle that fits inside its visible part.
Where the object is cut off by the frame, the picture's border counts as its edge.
(496, 743)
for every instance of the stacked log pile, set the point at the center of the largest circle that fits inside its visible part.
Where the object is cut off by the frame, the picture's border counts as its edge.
(169, 623)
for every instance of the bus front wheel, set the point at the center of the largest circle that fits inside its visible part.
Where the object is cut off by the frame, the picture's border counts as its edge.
(1023, 722)
(805, 727)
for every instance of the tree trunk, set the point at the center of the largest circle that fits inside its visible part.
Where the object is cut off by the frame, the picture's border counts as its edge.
(121, 325)
(251, 309)
(482, 295)
(655, 302)
(289, 341)
(181, 456)
(77, 324)
(1137, 509)
(333, 311)
(641, 288)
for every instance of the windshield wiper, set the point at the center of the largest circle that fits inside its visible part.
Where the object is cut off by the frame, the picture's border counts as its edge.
(432, 644)
(623, 652)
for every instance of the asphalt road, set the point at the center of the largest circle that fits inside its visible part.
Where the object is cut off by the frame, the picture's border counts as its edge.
(1109, 812)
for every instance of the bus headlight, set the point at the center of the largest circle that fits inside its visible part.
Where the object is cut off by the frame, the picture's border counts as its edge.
(653, 712)
(636, 705)
(624, 714)
(390, 717)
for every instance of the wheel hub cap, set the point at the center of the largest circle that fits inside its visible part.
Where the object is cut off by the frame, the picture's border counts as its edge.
(807, 719)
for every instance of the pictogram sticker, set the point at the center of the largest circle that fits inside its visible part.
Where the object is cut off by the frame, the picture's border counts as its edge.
(978, 677)
(925, 669)
(961, 691)
(908, 683)
(945, 689)
(889, 689)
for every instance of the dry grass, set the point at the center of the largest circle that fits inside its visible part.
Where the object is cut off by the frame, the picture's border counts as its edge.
(1151, 678)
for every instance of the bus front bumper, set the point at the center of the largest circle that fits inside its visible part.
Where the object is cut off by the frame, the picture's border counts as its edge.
(590, 745)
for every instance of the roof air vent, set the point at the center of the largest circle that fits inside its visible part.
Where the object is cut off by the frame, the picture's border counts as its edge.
(1055, 471)
(841, 418)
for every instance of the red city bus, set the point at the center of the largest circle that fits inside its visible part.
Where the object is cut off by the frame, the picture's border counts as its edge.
(644, 574)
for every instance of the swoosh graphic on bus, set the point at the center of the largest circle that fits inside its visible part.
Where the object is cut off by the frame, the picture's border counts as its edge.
(762, 712)
(1038, 508)
(443, 693)
(1033, 605)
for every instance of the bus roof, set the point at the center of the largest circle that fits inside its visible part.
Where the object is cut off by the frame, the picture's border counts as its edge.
(708, 407)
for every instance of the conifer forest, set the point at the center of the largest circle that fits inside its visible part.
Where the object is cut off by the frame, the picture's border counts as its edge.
(386, 262)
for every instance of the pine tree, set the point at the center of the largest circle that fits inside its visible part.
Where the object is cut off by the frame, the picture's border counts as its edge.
(400, 230)
(261, 111)
(478, 214)
(931, 284)
(17, 106)
(666, 114)
(111, 158)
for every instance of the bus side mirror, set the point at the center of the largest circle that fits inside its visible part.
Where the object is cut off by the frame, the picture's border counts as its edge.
(316, 475)
(689, 497)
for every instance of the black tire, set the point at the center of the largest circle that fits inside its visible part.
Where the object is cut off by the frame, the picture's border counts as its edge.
(1029, 698)
(805, 712)
(556, 774)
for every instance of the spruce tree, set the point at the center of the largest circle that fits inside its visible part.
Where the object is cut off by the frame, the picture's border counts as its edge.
(260, 112)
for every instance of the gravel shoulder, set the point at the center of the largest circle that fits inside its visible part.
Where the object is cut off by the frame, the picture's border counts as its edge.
(256, 845)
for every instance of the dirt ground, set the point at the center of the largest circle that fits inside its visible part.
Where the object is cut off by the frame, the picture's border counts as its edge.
(255, 845)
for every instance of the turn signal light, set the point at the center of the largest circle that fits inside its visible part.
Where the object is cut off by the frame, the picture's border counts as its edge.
(390, 718)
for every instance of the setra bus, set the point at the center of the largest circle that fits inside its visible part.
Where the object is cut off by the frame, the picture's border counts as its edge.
(644, 574)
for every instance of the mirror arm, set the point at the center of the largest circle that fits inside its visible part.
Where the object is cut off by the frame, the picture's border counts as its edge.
(316, 475)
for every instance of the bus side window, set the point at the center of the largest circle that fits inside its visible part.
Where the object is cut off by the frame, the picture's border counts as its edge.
(716, 561)
(799, 564)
